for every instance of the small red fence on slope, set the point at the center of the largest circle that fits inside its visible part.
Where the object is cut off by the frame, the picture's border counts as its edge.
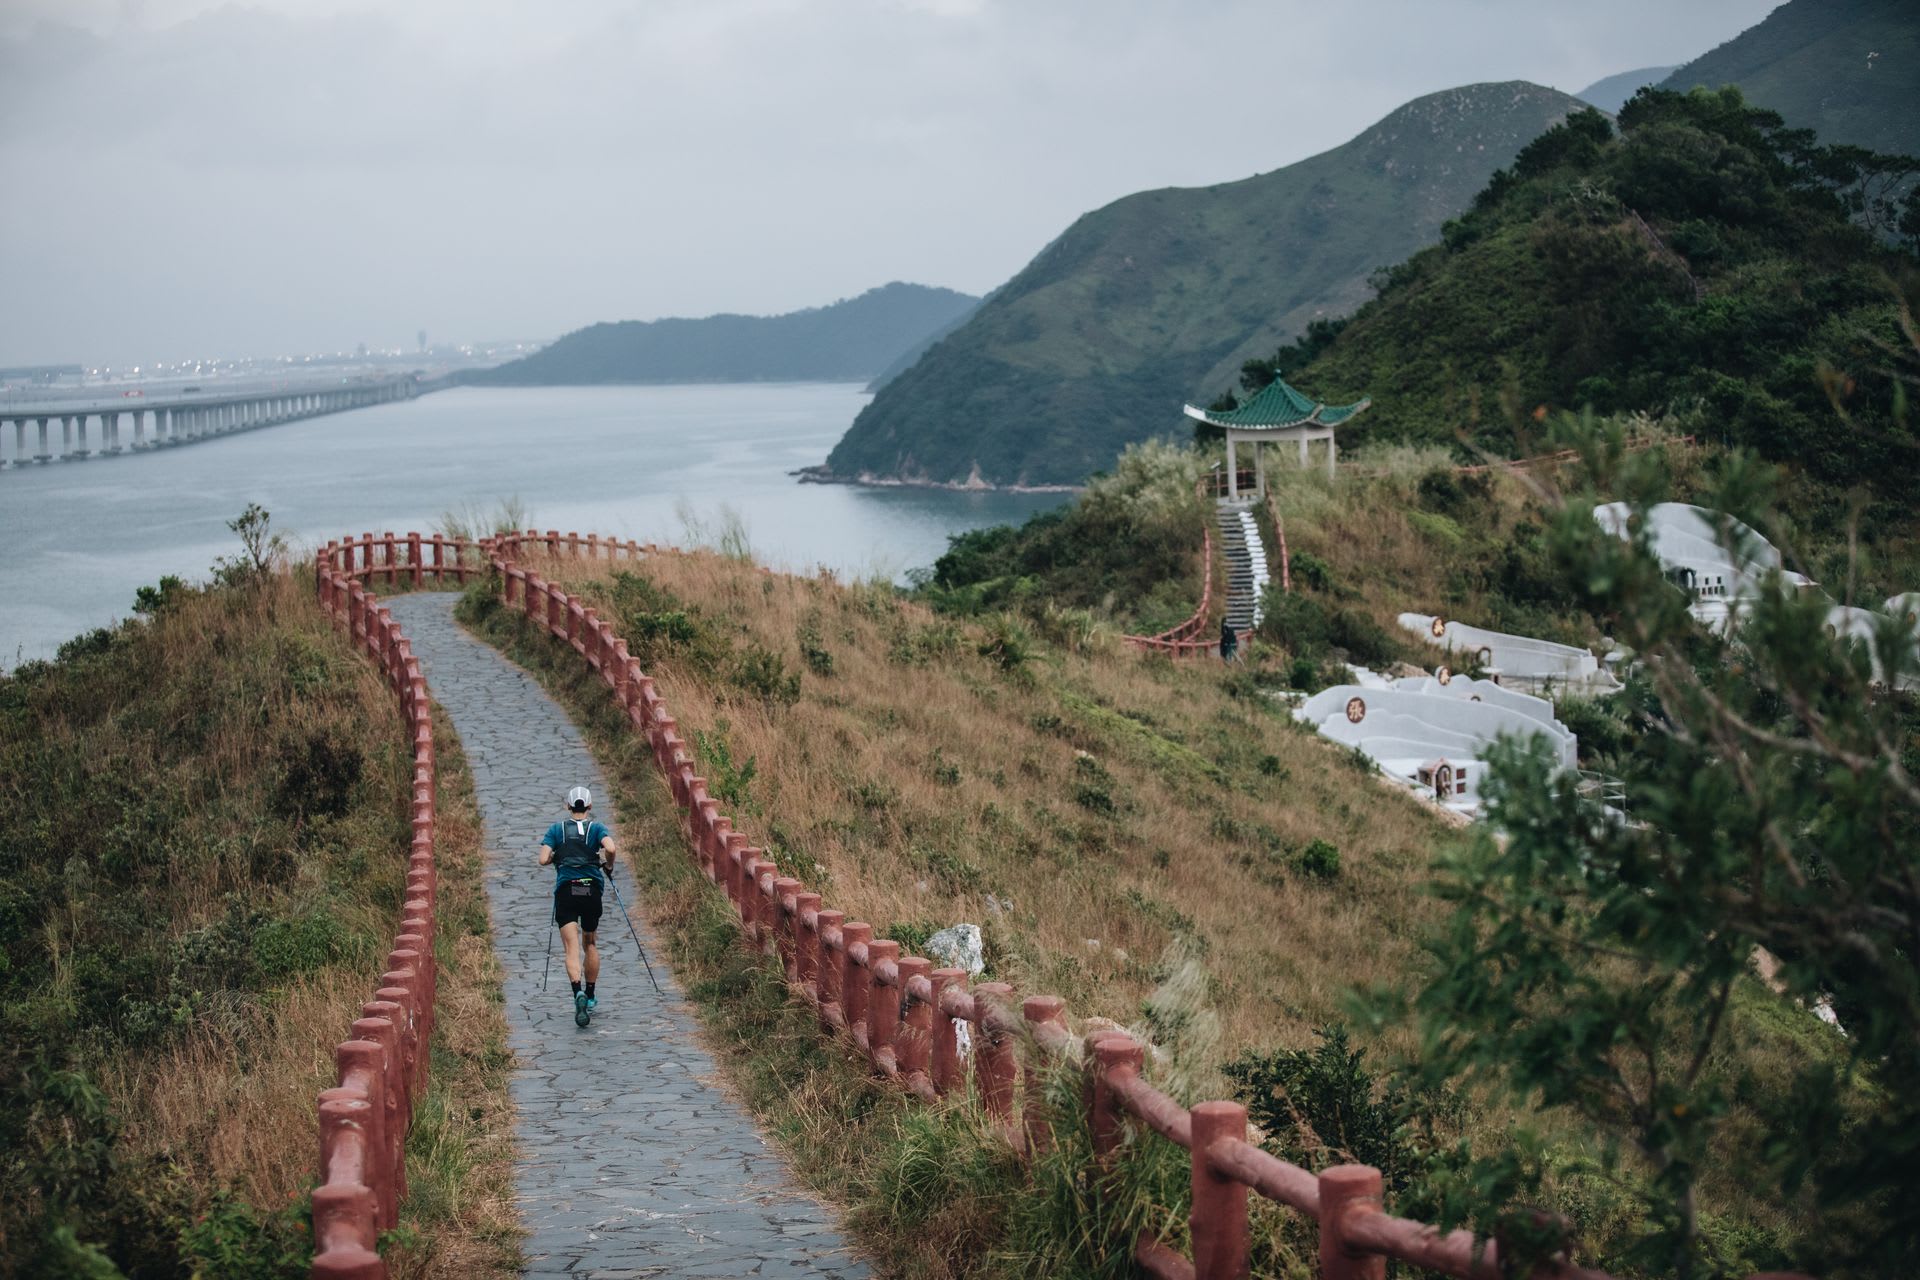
(903, 1014)
(383, 1063)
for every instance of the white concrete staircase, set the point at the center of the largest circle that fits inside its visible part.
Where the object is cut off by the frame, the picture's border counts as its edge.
(1246, 558)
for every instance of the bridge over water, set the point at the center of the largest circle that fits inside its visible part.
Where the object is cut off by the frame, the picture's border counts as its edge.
(176, 416)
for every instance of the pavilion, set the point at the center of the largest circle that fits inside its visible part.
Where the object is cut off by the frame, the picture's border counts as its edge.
(1277, 414)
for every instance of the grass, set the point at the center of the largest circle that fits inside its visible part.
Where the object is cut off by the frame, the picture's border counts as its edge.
(1088, 809)
(203, 832)
(1148, 839)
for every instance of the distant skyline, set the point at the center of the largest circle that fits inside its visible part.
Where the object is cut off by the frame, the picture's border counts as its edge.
(192, 179)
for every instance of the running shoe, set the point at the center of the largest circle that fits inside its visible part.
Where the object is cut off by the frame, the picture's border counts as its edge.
(593, 1002)
(582, 1009)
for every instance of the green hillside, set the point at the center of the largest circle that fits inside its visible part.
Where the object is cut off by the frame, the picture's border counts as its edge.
(1140, 305)
(850, 341)
(1849, 69)
(1701, 262)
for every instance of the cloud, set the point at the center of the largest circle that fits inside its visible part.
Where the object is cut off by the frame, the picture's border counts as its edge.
(304, 174)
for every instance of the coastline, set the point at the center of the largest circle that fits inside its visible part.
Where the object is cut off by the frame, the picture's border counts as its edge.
(818, 474)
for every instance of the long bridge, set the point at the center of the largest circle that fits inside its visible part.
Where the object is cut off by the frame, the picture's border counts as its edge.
(184, 416)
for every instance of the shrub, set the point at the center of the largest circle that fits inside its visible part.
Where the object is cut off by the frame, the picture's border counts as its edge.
(1310, 570)
(813, 650)
(1319, 859)
(1006, 644)
(762, 673)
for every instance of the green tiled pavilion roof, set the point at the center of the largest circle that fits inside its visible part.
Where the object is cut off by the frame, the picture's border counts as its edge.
(1278, 405)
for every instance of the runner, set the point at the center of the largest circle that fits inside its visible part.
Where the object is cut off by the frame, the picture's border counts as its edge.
(580, 851)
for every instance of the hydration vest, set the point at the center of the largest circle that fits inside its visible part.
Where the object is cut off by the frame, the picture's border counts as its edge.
(576, 851)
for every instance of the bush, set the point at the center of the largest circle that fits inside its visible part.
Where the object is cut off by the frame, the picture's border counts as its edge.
(1006, 644)
(813, 650)
(763, 674)
(1319, 859)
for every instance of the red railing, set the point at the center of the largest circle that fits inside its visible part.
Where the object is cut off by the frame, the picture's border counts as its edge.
(382, 1066)
(1180, 640)
(903, 1015)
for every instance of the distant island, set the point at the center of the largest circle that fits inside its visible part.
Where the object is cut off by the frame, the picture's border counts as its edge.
(853, 340)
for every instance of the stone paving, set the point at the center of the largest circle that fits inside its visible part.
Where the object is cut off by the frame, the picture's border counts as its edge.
(631, 1162)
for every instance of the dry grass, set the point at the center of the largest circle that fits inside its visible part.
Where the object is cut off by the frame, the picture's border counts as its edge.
(919, 784)
(241, 777)
(460, 1156)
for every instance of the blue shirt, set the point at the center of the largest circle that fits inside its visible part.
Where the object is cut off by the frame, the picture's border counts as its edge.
(557, 836)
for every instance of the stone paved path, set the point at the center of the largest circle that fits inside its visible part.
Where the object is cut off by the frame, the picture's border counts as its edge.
(632, 1163)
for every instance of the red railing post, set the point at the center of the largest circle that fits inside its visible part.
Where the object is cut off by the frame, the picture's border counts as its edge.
(944, 1051)
(993, 1064)
(786, 926)
(853, 982)
(413, 558)
(1038, 1011)
(806, 945)
(828, 965)
(1113, 1052)
(1346, 1190)
(1219, 1218)
(883, 1005)
(913, 1038)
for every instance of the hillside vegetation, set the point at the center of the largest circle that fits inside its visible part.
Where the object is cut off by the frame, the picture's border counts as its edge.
(203, 838)
(1140, 305)
(852, 340)
(1159, 843)
(1701, 263)
(1848, 69)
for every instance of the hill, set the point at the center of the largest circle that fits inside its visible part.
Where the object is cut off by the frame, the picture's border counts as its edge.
(1848, 69)
(849, 341)
(1701, 262)
(1139, 305)
(203, 841)
(1612, 93)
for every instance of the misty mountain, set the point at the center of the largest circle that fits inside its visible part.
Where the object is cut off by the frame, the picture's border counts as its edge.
(1158, 297)
(852, 340)
(1612, 93)
(1847, 69)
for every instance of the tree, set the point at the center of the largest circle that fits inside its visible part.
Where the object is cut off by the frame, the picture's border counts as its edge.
(260, 546)
(1605, 968)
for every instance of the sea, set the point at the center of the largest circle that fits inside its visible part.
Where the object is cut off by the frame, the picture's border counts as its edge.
(667, 464)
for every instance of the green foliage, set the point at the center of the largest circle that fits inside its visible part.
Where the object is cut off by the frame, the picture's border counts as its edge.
(1603, 968)
(157, 598)
(1006, 644)
(1320, 859)
(1133, 533)
(1323, 1106)
(259, 548)
(1706, 256)
(728, 779)
(762, 674)
(193, 818)
(813, 649)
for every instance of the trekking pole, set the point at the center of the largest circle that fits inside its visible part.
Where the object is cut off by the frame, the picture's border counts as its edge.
(549, 964)
(635, 932)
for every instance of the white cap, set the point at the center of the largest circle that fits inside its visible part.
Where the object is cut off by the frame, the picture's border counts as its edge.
(579, 798)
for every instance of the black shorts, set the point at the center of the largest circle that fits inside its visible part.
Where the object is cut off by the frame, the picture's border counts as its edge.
(578, 902)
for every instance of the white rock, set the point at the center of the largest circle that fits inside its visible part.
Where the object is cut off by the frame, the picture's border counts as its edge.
(958, 947)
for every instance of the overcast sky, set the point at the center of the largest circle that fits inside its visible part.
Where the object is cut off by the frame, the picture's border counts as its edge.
(189, 179)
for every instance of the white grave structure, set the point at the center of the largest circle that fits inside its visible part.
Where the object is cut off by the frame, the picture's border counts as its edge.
(1433, 732)
(1688, 542)
(1521, 661)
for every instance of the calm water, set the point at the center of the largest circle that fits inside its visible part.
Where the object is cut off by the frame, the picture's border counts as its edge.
(81, 536)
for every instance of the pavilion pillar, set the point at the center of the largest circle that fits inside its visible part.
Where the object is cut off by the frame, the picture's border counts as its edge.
(1303, 450)
(1233, 472)
(1259, 468)
(1331, 451)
